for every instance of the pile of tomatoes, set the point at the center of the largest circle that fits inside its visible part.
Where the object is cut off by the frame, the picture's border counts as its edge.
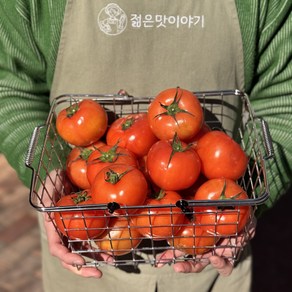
(143, 166)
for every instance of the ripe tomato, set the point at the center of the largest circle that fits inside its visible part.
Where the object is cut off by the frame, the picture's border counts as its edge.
(106, 156)
(159, 222)
(132, 132)
(119, 238)
(221, 156)
(188, 194)
(175, 110)
(82, 123)
(172, 165)
(228, 220)
(79, 224)
(77, 164)
(97, 144)
(120, 183)
(194, 140)
(142, 165)
(76, 167)
(192, 239)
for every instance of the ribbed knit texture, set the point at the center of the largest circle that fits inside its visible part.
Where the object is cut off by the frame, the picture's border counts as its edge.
(29, 42)
(266, 28)
(30, 32)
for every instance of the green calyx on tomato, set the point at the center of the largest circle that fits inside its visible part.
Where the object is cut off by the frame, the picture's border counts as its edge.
(173, 109)
(128, 123)
(85, 153)
(72, 109)
(108, 156)
(113, 177)
(224, 197)
(177, 146)
(158, 195)
(81, 197)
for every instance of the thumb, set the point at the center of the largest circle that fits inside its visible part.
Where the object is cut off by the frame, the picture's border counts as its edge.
(223, 266)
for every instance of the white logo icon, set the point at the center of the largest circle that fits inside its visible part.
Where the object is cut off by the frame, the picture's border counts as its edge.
(112, 20)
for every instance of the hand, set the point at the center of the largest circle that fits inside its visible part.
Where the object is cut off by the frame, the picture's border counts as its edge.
(50, 192)
(223, 265)
(221, 258)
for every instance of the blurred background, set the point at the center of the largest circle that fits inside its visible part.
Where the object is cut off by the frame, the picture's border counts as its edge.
(20, 260)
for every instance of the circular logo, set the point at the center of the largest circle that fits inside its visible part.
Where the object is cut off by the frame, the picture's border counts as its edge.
(112, 20)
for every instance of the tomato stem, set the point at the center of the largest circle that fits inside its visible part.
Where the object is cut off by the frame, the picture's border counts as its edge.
(109, 156)
(128, 123)
(173, 109)
(224, 197)
(177, 146)
(113, 177)
(159, 195)
(72, 109)
(81, 197)
(85, 153)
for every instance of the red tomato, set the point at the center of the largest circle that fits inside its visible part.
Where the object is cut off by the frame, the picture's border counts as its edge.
(194, 140)
(77, 164)
(76, 167)
(193, 240)
(82, 123)
(132, 132)
(79, 224)
(120, 183)
(106, 156)
(159, 222)
(119, 238)
(188, 193)
(172, 165)
(221, 156)
(175, 110)
(228, 220)
(142, 165)
(97, 144)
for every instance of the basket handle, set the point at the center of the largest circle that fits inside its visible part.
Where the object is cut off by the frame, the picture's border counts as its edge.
(32, 146)
(267, 139)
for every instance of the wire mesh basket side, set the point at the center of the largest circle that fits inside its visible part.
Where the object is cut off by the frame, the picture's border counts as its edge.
(228, 111)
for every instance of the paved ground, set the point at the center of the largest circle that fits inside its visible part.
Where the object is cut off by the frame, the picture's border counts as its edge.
(20, 264)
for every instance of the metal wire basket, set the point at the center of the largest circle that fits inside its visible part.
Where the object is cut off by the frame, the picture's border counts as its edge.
(229, 110)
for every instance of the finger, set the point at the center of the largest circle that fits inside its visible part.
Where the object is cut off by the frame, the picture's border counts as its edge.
(56, 247)
(190, 266)
(104, 257)
(223, 266)
(167, 257)
(60, 251)
(86, 272)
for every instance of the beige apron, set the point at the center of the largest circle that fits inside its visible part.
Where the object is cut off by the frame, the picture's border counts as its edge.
(145, 46)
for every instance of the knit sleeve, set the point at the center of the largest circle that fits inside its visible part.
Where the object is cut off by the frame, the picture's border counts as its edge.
(24, 101)
(271, 90)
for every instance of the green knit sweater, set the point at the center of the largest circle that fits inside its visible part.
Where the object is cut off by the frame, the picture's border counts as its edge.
(29, 38)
